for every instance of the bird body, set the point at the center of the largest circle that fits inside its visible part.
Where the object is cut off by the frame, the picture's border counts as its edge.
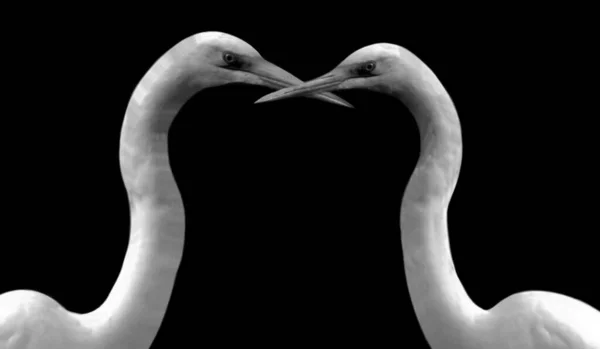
(131, 315)
(449, 319)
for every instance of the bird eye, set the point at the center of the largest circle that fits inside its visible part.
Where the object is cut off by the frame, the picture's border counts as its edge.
(228, 58)
(366, 68)
(369, 67)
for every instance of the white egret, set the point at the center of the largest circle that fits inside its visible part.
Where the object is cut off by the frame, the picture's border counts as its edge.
(448, 317)
(133, 311)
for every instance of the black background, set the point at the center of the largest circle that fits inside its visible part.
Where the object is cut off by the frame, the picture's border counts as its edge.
(292, 207)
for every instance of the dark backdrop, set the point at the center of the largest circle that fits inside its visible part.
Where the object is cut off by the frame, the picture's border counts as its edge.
(292, 208)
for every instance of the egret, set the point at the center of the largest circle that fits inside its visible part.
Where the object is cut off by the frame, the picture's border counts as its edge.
(131, 315)
(448, 318)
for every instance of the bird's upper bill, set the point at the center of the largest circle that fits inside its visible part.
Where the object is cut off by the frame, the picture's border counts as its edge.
(325, 83)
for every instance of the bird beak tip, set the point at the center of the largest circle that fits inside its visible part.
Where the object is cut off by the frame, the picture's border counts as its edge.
(260, 100)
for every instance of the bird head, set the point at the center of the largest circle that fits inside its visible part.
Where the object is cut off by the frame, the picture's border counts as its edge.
(377, 67)
(221, 59)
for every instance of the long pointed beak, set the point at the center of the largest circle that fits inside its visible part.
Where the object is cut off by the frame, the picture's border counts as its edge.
(327, 82)
(275, 77)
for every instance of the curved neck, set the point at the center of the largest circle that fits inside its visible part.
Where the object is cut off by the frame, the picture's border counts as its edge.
(131, 315)
(444, 309)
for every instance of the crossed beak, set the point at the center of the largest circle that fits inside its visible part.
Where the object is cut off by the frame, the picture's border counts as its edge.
(275, 77)
(323, 84)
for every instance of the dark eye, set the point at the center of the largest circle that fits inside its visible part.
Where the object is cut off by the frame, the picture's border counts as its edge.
(366, 68)
(369, 67)
(229, 58)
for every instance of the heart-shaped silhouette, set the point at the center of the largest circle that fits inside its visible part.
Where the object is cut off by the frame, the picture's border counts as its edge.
(448, 317)
(20, 311)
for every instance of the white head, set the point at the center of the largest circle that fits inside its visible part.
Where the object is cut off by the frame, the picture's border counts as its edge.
(381, 67)
(220, 58)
